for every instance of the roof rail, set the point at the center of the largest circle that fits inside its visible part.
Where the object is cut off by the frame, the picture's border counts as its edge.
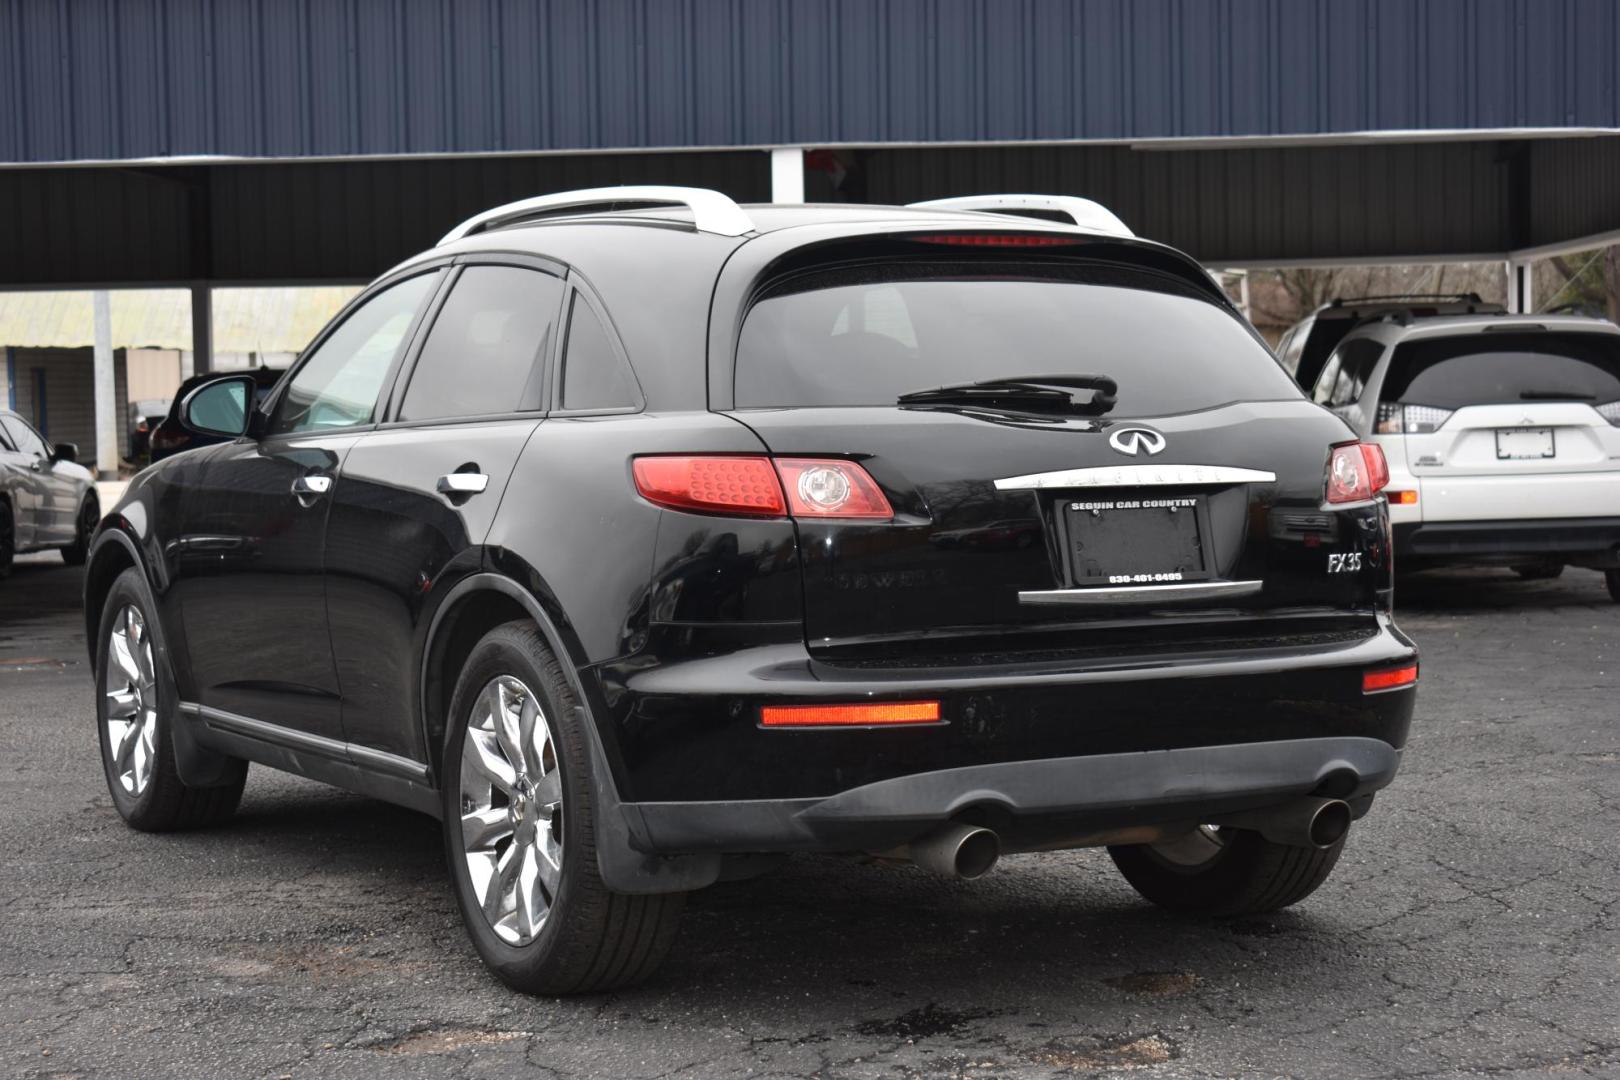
(712, 212)
(1451, 298)
(1083, 212)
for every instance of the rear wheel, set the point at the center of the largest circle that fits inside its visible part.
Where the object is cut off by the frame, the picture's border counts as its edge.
(89, 515)
(519, 828)
(1539, 571)
(1612, 577)
(1223, 871)
(135, 716)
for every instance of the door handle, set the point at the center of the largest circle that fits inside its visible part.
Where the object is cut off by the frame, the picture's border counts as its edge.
(309, 488)
(462, 483)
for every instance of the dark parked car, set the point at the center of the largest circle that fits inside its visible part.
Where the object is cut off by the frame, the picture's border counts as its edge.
(47, 499)
(609, 537)
(170, 436)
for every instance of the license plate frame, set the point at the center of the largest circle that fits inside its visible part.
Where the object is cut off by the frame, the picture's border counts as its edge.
(1126, 539)
(1526, 444)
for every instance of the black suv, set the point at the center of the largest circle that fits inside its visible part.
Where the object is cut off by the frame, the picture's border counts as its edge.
(645, 538)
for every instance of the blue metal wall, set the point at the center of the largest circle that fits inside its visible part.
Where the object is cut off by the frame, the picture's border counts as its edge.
(109, 79)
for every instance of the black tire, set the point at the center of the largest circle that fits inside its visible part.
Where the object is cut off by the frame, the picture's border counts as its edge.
(1539, 571)
(1246, 875)
(85, 526)
(1612, 578)
(592, 939)
(164, 803)
(8, 539)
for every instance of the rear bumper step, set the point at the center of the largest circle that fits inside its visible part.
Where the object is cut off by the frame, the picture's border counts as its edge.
(1587, 541)
(1099, 792)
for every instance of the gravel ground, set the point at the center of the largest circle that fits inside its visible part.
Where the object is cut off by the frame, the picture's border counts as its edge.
(1469, 929)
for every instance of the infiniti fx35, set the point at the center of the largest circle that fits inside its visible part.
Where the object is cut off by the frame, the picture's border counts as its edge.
(643, 539)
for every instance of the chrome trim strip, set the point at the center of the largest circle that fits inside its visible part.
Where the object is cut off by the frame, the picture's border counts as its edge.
(712, 212)
(291, 739)
(1141, 594)
(1137, 476)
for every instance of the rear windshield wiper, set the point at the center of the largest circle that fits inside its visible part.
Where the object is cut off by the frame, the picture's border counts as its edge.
(1023, 391)
(1554, 395)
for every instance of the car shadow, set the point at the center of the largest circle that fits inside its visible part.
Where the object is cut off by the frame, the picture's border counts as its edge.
(1465, 589)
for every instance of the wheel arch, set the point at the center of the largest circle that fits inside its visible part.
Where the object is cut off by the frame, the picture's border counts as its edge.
(110, 555)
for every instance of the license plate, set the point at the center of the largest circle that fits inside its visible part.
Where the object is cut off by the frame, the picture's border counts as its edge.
(1519, 444)
(1135, 541)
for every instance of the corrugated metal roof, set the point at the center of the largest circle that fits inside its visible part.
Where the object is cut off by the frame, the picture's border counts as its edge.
(245, 320)
(274, 78)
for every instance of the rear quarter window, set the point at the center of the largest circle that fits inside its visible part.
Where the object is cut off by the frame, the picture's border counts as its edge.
(864, 335)
(1500, 368)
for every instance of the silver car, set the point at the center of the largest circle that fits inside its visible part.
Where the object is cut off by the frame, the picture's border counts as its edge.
(47, 499)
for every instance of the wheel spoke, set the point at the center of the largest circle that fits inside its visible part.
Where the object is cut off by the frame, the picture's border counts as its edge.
(548, 791)
(501, 898)
(119, 652)
(125, 739)
(548, 859)
(122, 704)
(533, 736)
(484, 758)
(482, 829)
(531, 903)
(506, 725)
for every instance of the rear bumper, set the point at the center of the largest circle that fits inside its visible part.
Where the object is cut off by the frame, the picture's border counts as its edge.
(1032, 804)
(1591, 542)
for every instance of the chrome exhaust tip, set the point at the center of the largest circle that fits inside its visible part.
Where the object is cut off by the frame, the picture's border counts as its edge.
(1311, 823)
(955, 850)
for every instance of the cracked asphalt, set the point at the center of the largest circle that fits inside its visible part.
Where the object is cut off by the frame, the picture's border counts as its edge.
(1469, 929)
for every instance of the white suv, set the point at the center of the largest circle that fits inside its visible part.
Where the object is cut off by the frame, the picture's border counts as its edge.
(1502, 434)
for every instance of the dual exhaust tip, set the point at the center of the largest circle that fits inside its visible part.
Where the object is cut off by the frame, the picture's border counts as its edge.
(971, 851)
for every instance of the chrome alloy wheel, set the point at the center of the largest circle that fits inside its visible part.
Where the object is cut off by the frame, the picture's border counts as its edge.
(511, 809)
(131, 701)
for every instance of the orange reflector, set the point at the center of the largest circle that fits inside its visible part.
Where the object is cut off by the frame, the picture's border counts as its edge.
(1402, 498)
(1389, 680)
(887, 712)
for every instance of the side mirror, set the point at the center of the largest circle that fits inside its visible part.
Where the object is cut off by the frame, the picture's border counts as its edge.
(220, 407)
(65, 451)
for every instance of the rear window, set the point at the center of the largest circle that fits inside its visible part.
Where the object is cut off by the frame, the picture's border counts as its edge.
(866, 335)
(1497, 369)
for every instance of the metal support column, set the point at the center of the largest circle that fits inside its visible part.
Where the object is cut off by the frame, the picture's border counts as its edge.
(202, 330)
(787, 174)
(1521, 294)
(106, 388)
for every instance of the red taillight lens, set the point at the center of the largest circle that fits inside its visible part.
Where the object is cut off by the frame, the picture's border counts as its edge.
(753, 486)
(726, 485)
(888, 712)
(1356, 472)
(830, 488)
(998, 240)
(1391, 679)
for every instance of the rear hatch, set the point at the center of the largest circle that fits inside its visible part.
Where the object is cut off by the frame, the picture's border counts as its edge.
(1023, 511)
(1508, 425)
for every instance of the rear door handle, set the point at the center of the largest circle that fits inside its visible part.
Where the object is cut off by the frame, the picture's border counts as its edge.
(462, 483)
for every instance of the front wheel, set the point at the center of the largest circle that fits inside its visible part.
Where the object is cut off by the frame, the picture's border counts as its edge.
(1222, 871)
(135, 716)
(519, 829)
(84, 528)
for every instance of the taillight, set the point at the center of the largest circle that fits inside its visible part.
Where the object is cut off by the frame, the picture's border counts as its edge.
(746, 486)
(1356, 472)
(1402, 498)
(755, 486)
(830, 488)
(856, 715)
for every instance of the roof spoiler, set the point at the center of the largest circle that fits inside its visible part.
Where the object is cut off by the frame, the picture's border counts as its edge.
(1083, 212)
(712, 212)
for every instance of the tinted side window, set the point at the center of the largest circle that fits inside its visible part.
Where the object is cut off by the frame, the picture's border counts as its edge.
(24, 438)
(1500, 369)
(1355, 362)
(1325, 382)
(484, 352)
(594, 375)
(338, 386)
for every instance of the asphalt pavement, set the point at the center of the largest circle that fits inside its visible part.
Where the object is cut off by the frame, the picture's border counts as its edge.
(1469, 929)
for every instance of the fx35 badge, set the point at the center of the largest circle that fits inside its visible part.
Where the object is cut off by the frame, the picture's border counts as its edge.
(1347, 562)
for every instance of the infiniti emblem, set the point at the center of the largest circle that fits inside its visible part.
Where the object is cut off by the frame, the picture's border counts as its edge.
(1134, 440)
